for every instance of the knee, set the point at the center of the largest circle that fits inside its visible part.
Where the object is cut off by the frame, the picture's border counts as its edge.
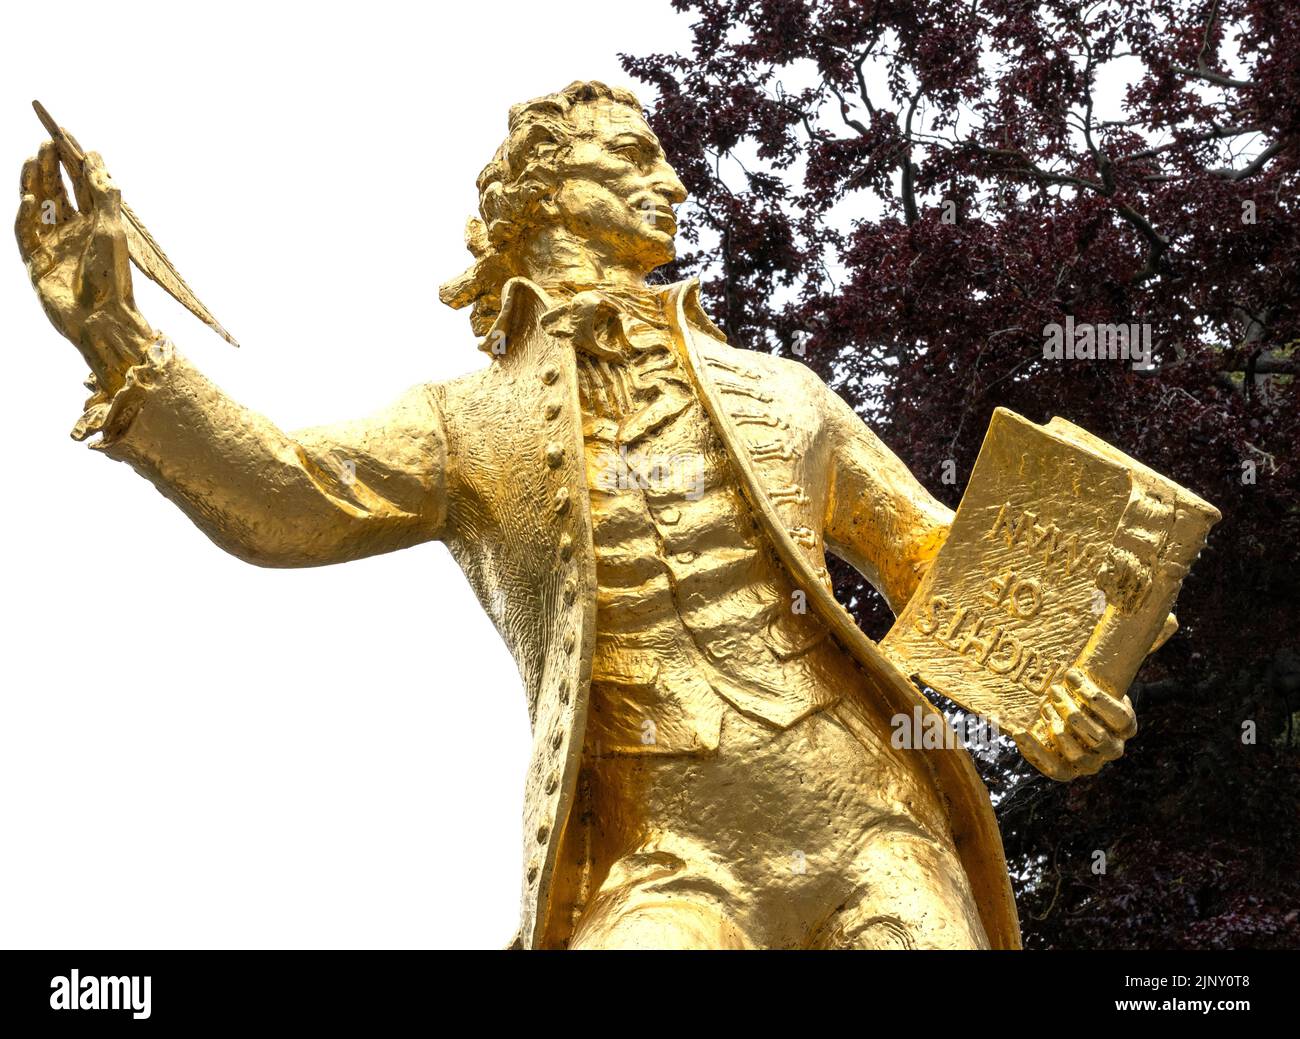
(913, 894)
(665, 924)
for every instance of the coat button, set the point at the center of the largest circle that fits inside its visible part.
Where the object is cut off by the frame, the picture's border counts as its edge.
(552, 782)
(566, 547)
(551, 410)
(543, 832)
(554, 455)
(532, 873)
(550, 373)
(562, 501)
(557, 738)
(570, 591)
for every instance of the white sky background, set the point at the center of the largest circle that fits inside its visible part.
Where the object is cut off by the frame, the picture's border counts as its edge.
(195, 752)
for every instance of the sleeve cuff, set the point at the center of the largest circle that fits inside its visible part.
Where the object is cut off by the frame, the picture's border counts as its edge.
(111, 414)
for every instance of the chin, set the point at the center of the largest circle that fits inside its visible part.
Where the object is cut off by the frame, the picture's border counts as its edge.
(660, 250)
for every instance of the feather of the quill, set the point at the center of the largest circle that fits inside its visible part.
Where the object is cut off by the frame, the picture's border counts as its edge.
(153, 262)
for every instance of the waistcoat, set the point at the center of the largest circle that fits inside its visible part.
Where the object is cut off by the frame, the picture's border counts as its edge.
(693, 613)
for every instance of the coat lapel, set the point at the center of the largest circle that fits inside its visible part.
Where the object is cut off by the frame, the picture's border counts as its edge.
(545, 573)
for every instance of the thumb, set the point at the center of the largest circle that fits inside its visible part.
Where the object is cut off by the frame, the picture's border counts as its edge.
(104, 194)
(107, 263)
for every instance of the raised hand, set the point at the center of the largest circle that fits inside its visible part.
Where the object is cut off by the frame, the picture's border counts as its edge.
(79, 263)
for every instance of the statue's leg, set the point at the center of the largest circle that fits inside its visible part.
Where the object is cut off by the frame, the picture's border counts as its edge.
(675, 924)
(912, 894)
(657, 901)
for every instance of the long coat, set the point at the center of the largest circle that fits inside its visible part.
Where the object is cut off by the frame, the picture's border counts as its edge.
(493, 465)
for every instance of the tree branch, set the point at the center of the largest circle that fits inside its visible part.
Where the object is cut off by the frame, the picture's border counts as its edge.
(1261, 160)
(1218, 133)
(1203, 70)
(910, 210)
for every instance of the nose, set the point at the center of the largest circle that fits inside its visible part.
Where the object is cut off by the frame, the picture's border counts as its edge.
(668, 186)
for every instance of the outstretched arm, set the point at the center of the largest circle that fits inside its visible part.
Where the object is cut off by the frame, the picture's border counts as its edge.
(317, 496)
(321, 495)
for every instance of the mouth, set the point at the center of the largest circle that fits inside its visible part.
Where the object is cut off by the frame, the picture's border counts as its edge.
(666, 222)
(661, 217)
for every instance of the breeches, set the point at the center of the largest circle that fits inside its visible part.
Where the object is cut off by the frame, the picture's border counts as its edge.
(818, 836)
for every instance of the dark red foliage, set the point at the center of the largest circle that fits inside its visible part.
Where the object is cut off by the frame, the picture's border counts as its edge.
(823, 144)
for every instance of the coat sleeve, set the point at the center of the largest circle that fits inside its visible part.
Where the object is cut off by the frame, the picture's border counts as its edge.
(879, 518)
(321, 495)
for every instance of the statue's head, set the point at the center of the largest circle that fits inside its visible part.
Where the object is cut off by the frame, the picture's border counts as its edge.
(580, 183)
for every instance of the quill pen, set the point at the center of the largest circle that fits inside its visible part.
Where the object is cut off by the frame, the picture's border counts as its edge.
(145, 252)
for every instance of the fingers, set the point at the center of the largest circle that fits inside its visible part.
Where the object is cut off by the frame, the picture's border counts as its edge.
(1080, 729)
(50, 180)
(1081, 758)
(1086, 744)
(1057, 748)
(1116, 714)
(43, 209)
(1084, 728)
(77, 174)
(27, 225)
(1043, 758)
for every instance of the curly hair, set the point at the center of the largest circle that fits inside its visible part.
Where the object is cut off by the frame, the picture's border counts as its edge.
(513, 189)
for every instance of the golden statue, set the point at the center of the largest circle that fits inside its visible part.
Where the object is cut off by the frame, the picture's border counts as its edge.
(643, 510)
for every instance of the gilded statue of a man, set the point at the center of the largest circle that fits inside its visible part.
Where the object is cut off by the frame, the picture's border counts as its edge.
(643, 510)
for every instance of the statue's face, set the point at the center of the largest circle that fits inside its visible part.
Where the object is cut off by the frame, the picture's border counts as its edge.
(617, 190)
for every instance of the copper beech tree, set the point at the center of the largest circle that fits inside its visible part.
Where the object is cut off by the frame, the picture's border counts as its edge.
(907, 195)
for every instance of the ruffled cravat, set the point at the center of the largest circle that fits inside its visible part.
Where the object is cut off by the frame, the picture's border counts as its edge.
(626, 360)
